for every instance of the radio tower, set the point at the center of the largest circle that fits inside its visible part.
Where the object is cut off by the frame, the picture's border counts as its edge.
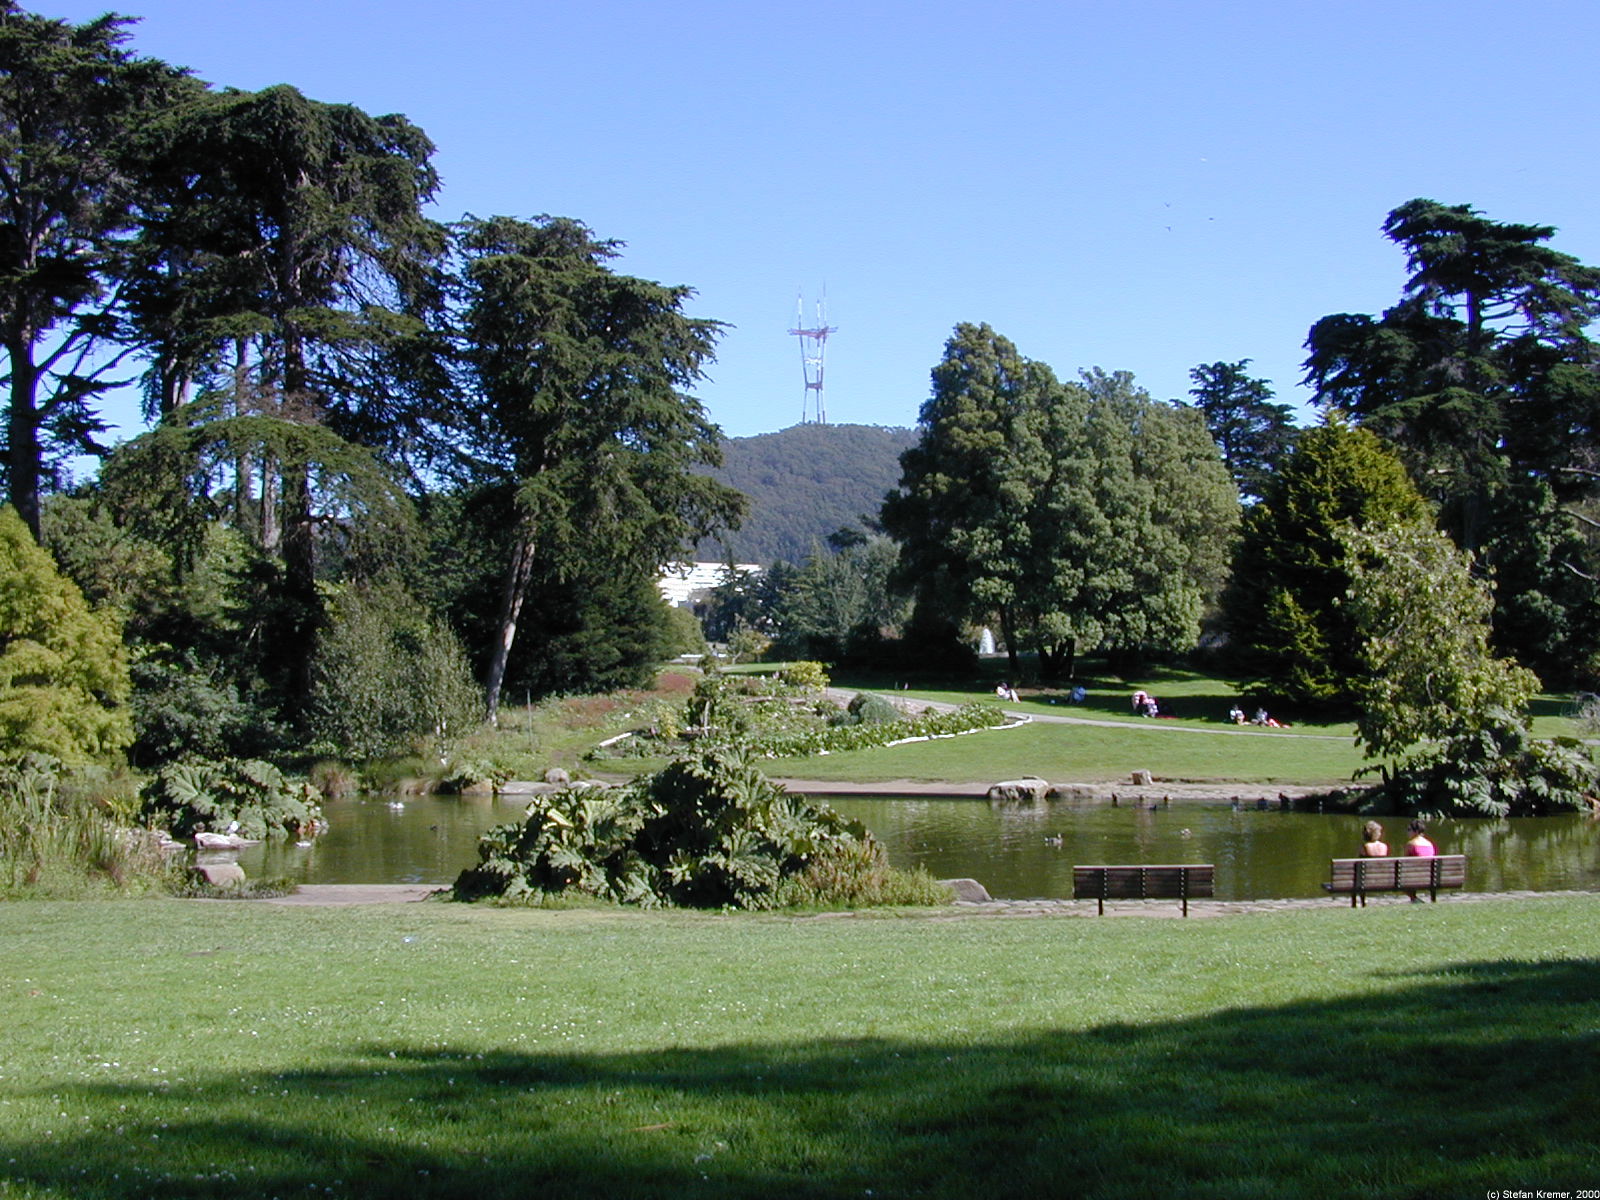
(813, 342)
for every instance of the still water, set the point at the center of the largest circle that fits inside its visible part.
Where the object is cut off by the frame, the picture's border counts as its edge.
(429, 839)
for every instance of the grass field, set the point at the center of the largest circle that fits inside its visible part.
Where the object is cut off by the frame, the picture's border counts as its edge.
(1190, 744)
(194, 1049)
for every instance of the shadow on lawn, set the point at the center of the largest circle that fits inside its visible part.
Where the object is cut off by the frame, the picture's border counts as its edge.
(1483, 1077)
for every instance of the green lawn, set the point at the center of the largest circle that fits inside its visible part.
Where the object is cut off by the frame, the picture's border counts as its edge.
(1185, 747)
(1088, 752)
(197, 1049)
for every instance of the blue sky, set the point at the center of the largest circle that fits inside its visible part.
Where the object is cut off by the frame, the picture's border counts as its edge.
(1142, 186)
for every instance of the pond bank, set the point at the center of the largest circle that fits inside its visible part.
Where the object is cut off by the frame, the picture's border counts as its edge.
(1135, 795)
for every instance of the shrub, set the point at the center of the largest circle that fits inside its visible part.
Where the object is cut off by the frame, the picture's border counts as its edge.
(185, 706)
(810, 676)
(858, 875)
(243, 796)
(867, 709)
(707, 831)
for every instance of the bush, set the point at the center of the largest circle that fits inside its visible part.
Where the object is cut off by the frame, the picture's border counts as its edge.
(706, 832)
(858, 875)
(184, 706)
(243, 796)
(810, 676)
(867, 709)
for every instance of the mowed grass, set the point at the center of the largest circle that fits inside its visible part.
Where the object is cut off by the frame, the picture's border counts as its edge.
(1192, 743)
(199, 1049)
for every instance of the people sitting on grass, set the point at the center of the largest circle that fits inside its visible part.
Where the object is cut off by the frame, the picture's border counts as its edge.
(1144, 705)
(1005, 691)
(1236, 714)
(1266, 719)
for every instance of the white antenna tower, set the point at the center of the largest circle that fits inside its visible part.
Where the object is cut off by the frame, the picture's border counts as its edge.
(813, 343)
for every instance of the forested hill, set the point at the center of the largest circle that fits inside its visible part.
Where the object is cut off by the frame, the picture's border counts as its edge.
(805, 482)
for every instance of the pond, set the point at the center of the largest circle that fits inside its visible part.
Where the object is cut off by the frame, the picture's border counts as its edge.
(1258, 854)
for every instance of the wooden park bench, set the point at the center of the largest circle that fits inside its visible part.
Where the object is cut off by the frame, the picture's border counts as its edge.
(1143, 883)
(1358, 876)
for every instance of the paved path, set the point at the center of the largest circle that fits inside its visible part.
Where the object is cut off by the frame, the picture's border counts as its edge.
(336, 894)
(357, 893)
(844, 695)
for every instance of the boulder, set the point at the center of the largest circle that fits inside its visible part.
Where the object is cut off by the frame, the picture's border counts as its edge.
(220, 874)
(1013, 791)
(968, 889)
(1143, 778)
(557, 775)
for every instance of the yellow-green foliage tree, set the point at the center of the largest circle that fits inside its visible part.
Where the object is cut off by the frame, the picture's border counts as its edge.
(63, 673)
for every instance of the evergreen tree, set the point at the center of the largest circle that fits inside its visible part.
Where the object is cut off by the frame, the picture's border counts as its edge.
(1284, 608)
(63, 673)
(1485, 378)
(1252, 432)
(72, 103)
(577, 379)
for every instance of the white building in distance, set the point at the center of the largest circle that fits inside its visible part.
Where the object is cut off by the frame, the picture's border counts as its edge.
(681, 584)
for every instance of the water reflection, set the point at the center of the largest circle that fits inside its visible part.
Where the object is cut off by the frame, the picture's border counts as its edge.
(420, 839)
(429, 839)
(1011, 851)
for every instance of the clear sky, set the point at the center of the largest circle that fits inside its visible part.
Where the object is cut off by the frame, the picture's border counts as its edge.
(1141, 186)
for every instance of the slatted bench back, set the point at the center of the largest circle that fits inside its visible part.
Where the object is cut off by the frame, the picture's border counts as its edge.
(1358, 876)
(1162, 882)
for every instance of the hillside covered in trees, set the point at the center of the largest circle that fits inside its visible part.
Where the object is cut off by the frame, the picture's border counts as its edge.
(803, 483)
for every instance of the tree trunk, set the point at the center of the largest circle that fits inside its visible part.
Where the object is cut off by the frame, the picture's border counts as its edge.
(271, 532)
(518, 573)
(300, 583)
(243, 467)
(22, 439)
(1007, 632)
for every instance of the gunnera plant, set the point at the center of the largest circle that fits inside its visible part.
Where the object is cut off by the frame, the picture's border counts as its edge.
(243, 796)
(708, 831)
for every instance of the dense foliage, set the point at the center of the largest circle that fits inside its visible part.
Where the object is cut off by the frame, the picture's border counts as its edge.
(1448, 717)
(706, 832)
(1485, 377)
(64, 681)
(245, 797)
(1072, 516)
(1290, 628)
(1253, 433)
(56, 834)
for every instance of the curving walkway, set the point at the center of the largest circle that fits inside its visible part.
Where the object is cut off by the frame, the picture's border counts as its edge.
(844, 695)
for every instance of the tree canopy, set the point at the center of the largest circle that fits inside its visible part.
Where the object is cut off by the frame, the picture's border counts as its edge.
(64, 682)
(1485, 378)
(1284, 609)
(1073, 515)
(1252, 432)
(576, 378)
